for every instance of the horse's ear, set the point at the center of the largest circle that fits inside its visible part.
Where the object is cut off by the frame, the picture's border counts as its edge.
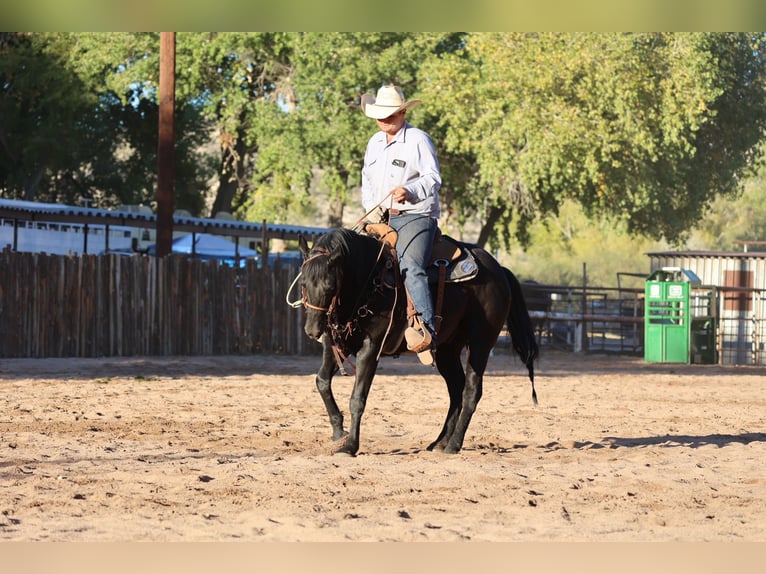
(303, 246)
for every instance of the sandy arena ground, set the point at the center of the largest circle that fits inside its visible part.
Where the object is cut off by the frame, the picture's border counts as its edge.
(239, 448)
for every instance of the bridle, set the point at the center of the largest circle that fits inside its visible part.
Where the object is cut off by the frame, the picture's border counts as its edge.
(303, 301)
(337, 331)
(320, 252)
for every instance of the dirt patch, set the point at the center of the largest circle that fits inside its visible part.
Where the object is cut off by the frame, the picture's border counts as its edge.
(239, 448)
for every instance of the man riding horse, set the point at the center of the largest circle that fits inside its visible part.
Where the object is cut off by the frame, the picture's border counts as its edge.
(401, 177)
(355, 307)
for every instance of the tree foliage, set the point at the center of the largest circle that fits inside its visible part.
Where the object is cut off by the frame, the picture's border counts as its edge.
(237, 81)
(79, 120)
(323, 139)
(735, 218)
(644, 128)
(43, 104)
(641, 132)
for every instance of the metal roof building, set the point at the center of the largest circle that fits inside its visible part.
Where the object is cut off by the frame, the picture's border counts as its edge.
(18, 214)
(721, 268)
(738, 281)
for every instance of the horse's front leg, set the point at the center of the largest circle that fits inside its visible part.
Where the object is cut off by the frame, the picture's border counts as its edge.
(324, 377)
(366, 365)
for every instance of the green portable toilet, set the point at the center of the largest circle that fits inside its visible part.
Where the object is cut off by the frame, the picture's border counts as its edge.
(668, 316)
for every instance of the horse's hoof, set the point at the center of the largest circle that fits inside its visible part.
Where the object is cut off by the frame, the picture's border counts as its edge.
(435, 447)
(345, 453)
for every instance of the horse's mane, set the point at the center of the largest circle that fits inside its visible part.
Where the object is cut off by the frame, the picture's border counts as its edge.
(337, 238)
(353, 247)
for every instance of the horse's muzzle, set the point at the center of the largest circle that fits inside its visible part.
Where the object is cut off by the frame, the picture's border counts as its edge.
(313, 329)
(318, 339)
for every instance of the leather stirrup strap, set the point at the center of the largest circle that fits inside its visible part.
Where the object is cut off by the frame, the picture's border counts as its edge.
(411, 311)
(440, 296)
(340, 358)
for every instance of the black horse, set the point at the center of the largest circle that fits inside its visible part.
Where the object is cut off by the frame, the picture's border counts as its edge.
(356, 306)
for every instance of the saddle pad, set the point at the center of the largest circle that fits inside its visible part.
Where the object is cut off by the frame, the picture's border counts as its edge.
(461, 268)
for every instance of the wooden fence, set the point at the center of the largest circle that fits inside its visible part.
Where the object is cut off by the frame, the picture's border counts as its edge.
(112, 305)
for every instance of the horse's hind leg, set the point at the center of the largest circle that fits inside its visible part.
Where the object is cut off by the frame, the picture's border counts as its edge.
(464, 398)
(450, 367)
(472, 391)
(324, 385)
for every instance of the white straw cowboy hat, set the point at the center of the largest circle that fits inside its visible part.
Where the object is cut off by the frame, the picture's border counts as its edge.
(389, 100)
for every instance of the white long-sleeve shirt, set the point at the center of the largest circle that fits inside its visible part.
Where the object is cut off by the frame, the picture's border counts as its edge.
(408, 161)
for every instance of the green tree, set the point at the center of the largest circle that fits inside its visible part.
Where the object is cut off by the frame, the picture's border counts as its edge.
(238, 81)
(322, 140)
(641, 128)
(44, 110)
(79, 120)
(641, 131)
(730, 219)
(561, 244)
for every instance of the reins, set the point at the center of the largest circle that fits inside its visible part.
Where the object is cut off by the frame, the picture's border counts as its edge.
(359, 225)
(358, 309)
(303, 300)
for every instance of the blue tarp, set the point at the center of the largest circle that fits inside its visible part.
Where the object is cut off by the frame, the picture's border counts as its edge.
(207, 246)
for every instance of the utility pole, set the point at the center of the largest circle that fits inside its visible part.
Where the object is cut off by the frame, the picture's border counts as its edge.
(166, 144)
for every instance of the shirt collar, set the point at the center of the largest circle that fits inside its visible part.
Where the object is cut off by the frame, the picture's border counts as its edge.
(401, 135)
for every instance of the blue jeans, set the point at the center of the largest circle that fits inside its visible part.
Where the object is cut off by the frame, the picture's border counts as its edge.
(414, 244)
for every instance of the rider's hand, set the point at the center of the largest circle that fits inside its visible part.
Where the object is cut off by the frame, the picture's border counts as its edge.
(401, 195)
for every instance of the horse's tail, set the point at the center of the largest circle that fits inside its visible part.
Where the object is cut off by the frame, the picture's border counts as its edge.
(522, 332)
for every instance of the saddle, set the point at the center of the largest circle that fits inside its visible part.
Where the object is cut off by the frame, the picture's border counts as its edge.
(450, 263)
(446, 255)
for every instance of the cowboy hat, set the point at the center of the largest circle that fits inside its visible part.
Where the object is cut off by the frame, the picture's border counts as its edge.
(389, 100)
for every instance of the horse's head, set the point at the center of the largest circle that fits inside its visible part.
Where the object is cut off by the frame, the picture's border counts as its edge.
(321, 280)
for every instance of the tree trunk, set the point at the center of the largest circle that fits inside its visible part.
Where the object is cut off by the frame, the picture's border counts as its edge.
(31, 184)
(335, 204)
(232, 174)
(486, 229)
(335, 211)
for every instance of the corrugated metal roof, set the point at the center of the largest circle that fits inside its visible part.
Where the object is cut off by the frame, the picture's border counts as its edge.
(713, 254)
(37, 211)
(712, 267)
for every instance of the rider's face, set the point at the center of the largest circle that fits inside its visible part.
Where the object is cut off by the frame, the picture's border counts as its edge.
(392, 124)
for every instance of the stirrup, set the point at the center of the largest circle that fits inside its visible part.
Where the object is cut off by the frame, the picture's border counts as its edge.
(419, 341)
